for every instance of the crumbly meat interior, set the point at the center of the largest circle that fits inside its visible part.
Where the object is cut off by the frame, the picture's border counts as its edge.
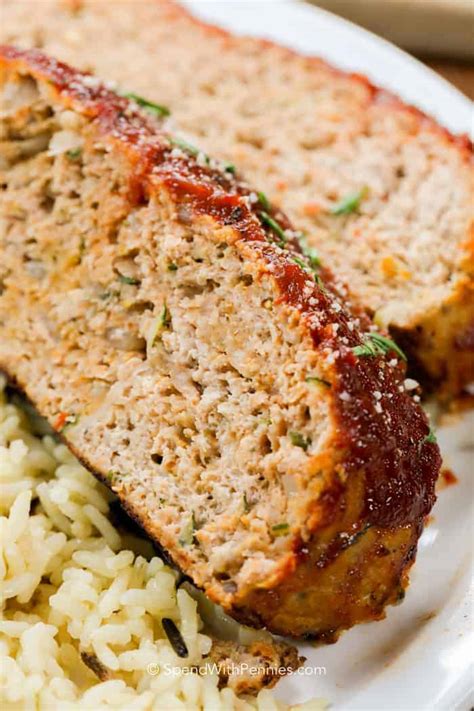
(312, 138)
(161, 351)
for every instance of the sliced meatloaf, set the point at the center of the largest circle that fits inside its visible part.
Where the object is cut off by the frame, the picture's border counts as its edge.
(161, 315)
(384, 193)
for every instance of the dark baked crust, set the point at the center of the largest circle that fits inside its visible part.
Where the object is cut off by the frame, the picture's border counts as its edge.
(383, 465)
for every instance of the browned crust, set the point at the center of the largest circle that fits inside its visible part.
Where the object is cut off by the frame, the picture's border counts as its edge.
(364, 531)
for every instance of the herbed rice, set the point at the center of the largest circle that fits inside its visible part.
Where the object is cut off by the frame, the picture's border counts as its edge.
(72, 583)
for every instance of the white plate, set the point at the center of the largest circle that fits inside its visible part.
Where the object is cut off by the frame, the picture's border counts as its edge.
(420, 656)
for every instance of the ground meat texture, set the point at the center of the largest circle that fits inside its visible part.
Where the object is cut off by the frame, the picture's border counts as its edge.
(384, 193)
(179, 340)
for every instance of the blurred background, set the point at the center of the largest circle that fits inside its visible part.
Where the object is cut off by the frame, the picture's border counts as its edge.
(439, 32)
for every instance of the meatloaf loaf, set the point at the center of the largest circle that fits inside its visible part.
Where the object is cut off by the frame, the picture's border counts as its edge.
(161, 315)
(385, 194)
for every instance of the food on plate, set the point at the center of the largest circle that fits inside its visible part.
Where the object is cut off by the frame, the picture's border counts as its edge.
(384, 193)
(194, 355)
(83, 600)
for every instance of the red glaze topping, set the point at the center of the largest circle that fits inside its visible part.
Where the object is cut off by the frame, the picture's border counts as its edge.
(383, 432)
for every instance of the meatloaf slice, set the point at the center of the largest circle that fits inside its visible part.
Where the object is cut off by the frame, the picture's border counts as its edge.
(159, 314)
(385, 194)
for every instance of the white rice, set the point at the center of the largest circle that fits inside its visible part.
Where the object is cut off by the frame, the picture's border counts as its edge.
(72, 583)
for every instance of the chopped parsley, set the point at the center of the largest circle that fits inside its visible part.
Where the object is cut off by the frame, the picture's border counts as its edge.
(195, 152)
(165, 317)
(172, 267)
(112, 477)
(375, 344)
(128, 280)
(298, 440)
(309, 252)
(264, 201)
(150, 106)
(309, 270)
(158, 325)
(300, 263)
(313, 259)
(74, 153)
(430, 437)
(246, 504)
(273, 224)
(350, 203)
(187, 534)
(186, 147)
(319, 381)
(281, 529)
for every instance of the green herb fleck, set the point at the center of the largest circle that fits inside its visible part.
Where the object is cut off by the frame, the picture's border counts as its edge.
(319, 381)
(281, 529)
(74, 153)
(298, 440)
(187, 534)
(375, 344)
(313, 259)
(366, 349)
(246, 504)
(158, 325)
(128, 280)
(186, 147)
(430, 437)
(165, 317)
(172, 267)
(230, 168)
(264, 201)
(270, 222)
(350, 203)
(111, 477)
(300, 263)
(150, 106)
(309, 252)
